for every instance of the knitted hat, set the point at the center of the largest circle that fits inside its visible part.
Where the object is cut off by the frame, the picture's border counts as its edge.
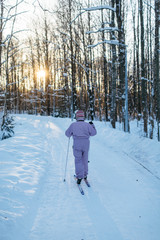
(79, 115)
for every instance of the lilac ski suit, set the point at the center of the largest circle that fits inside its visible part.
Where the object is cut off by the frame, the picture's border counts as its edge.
(81, 131)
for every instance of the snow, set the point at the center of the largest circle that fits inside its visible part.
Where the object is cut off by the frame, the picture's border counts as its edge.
(123, 202)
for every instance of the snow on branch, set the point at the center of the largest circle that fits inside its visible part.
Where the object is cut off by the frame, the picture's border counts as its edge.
(14, 15)
(8, 18)
(149, 5)
(99, 8)
(103, 29)
(146, 79)
(9, 36)
(111, 42)
(15, 6)
(17, 82)
(77, 16)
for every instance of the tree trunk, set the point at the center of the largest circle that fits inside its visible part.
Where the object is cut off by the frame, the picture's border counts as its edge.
(47, 68)
(121, 54)
(113, 86)
(73, 69)
(1, 26)
(157, 54)
(143, 72)
(104, 68)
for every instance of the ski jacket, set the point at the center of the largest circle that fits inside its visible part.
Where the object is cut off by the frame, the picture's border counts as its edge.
(80, 130)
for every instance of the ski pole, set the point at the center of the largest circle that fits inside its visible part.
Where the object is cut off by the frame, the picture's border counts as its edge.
(66, 161)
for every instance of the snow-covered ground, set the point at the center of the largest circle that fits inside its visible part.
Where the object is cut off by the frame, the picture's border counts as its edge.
(123, 202)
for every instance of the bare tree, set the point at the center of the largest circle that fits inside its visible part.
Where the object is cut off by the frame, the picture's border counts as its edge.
(121, 57)
(114, 75)
(104, 67)
(157, 54)
(143, 72)
(1, 30)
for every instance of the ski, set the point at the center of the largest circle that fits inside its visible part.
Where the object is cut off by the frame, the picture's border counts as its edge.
(79, 186)
(87, 183)
(80, 189)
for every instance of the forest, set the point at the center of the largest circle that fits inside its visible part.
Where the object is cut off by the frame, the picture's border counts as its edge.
(101, 56)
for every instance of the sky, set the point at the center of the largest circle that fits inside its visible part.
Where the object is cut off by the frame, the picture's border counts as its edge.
(29, 10)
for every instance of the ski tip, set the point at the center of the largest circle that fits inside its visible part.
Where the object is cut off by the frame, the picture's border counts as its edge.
(64, 180)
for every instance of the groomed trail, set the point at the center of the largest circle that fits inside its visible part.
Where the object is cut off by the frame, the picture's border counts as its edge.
(123, 202)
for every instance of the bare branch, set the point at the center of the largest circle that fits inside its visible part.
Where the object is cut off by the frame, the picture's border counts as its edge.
(45, 9)
(93, 9)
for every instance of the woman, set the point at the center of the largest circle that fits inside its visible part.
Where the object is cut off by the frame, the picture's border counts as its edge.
(81, 131)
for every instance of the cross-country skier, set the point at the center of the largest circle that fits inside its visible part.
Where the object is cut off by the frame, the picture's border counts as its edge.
(81, 131)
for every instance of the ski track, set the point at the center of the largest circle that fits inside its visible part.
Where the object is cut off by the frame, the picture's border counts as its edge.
(61, 218)
(87, 216)
(107, 211)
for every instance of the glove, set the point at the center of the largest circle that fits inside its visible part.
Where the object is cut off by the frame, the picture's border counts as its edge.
(91, 122)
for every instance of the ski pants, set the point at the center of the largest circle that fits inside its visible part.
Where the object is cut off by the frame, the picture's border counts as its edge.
(80, 151)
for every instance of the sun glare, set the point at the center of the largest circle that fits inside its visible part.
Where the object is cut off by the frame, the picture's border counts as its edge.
(41, 74)
(41, 79)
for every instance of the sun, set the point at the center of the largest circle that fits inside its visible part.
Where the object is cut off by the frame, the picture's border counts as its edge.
(41, 74)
